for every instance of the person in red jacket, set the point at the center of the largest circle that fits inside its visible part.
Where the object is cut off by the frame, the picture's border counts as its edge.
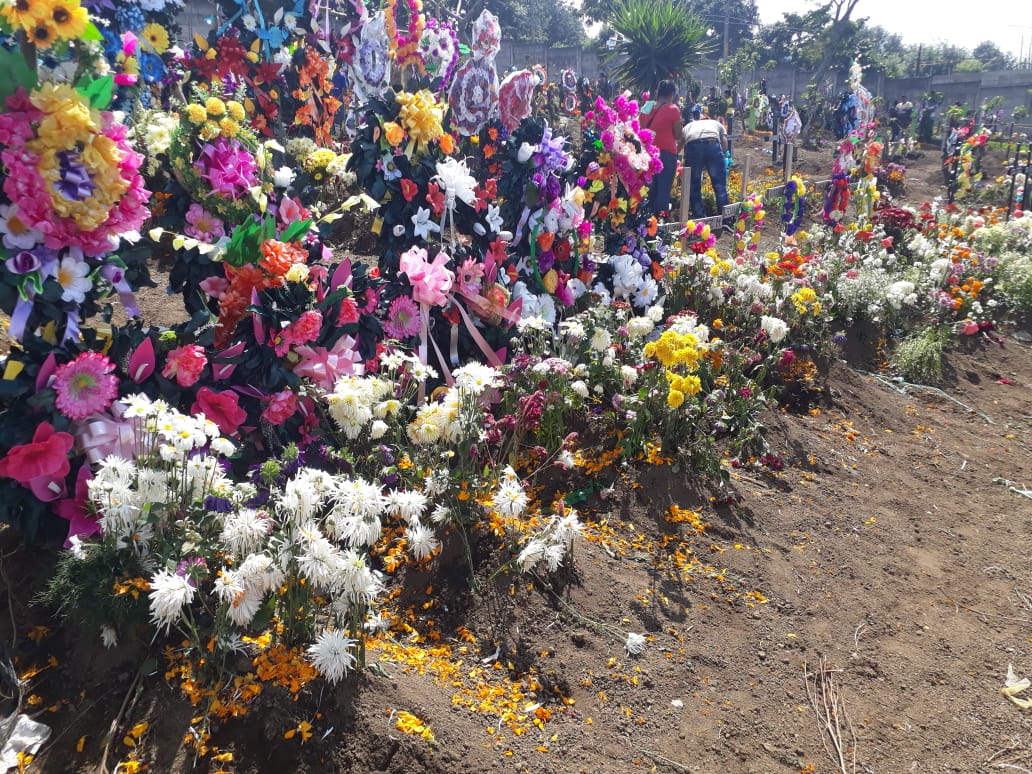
(664, 120)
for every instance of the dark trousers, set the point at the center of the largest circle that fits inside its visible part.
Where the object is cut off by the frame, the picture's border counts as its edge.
(709, 157)
(659, 191)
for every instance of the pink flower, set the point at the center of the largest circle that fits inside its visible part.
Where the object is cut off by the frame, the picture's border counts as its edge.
(214, 286)
(74, 509)
(222, 408)
(403, 318)
(185, 364)
(303, 330)
(203, 225)
(291, 211)
(281, 407)
(323, 366)
(348, 312)
(85, 385)
(969, 327)
(41, 465)
(430, 281)
(229, 168)
(469, 277)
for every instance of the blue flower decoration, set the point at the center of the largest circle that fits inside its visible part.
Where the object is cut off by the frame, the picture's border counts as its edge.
(152, 68)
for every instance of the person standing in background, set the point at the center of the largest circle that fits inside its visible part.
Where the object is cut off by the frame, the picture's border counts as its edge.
(705, 143)
(664, 121)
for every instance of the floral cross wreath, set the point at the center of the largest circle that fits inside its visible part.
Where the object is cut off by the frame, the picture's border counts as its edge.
(795, 204)
(405, 47)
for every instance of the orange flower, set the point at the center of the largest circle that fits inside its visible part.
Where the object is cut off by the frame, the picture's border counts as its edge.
(545, 240)
(447, 144)
(394, 133)
(278, 257)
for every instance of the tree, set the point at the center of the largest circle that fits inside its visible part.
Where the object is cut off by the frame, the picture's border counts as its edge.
(738, 17)
(839, 11)
(546, 22)
(990, 55)
(654, 40)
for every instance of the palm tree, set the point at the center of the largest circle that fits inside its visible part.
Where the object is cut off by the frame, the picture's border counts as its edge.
(655, 40)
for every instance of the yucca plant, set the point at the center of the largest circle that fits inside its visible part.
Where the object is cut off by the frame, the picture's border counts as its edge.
(656, 40)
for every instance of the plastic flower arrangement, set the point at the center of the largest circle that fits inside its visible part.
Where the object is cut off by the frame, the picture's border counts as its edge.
(217, 159)
(45, 23)
(551, 230)
(72, 192)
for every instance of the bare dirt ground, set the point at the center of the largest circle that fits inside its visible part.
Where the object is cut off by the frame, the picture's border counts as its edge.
(889, 557)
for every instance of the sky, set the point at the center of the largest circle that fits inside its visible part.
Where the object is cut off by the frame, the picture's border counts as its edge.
(929, 21)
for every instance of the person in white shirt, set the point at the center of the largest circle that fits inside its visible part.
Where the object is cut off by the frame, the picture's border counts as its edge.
(705, 143)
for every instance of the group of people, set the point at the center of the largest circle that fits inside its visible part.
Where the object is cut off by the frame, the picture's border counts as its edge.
(704, 142)
(702, 135)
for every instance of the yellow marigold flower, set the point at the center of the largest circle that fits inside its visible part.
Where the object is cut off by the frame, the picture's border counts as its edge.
(394, 133)
(675, 398)
(691, 385)
(550, 281)
(215, 107)
(228, 127)
(156, 38)
(209, 131)
(196, 114)
(235, 110)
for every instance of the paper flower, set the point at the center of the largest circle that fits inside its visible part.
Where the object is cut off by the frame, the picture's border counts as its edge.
(41, 465)
(85, 385)
(430, 281)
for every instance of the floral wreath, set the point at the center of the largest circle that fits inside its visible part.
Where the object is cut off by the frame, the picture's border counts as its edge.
(794, 206)
(439, 51)
(568, 78)
(751, 209)
(405, 47)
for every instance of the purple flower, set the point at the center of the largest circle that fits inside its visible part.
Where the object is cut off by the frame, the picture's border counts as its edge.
(74, 182)
(23, 262)
(546, 261)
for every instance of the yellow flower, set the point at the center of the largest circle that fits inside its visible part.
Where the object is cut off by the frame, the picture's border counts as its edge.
(691, 385)
(394, 133)
(25, 14)
(67, 118)
(42, 33)
(196, 114)
(215, 107)
(229, 127)
(156, 38)
(675, 398)
(209, 131)
(550, 281)
(421, 115)
(235, 110)
(69, 19)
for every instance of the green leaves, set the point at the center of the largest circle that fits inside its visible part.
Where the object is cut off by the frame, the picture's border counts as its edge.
(657, 40)
(98, 91)
(17, 73)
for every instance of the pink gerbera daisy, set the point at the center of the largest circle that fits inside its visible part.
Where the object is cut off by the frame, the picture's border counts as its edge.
(85, 385)
(403, 318)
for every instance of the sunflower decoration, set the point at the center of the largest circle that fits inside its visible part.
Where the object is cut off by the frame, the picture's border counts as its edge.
(46, 22)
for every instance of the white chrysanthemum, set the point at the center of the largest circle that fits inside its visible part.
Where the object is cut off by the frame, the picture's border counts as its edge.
(600, 340)
(510, 499)
(244, 606)
(647, 293)
(436, 483)
(245, 533)
(319, 561)
(222, 446)
(170, 593)
(228, 585)
(635, 644)
(580, 388)
(332, 654)
(261, 573)
(572, 329)
(531, 554)
(640, 327)
(441, 514)
(422, 541)
(408, 504)
(378, 429)
(775, 328)
(628, 374)
(429, 424)
(359, 583)
(357, 512)
(568, 528)
(476, 377)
